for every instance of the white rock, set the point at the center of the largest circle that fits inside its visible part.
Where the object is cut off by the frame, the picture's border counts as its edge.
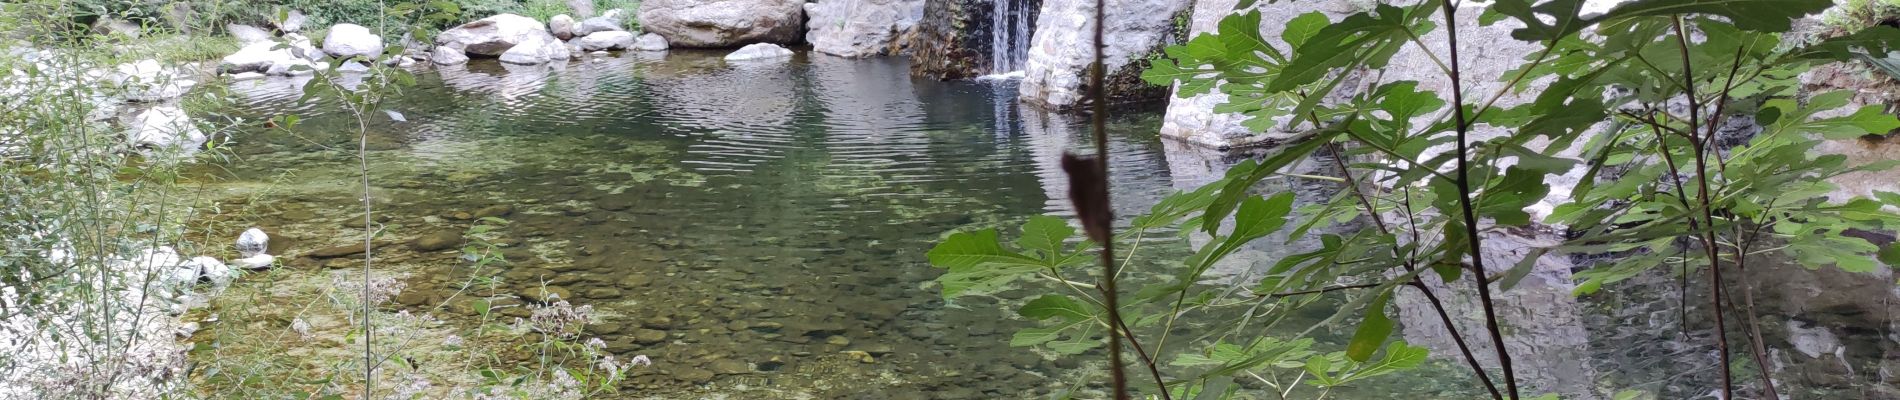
(295, 67)
(269, 58)
(536, 51)
(252, 57)
(352, 40)
(256, 262)
(1812, 340)
(860, 28)
(562, 26)
(609, 40)
(352, 67)
(292, 22)
(597, 24)
(210, 269)
(246, 34)
(180, 276)
(1060, 54)
(759, 51)
(723, 23)
(492, 36)
(650, 42)
(165, 127)
(444, 55)
(582, 8)
(253, 242)
(245, 76)
(163, 256)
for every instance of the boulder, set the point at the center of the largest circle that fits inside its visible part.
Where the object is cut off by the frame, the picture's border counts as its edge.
(492, 36)
(609, 40)
(650, 42)
(295, 67)
(582, 8)
(759, 51)
(352, 40)
(437, 241)
(164, 127)
(213, 271)
(267, 58)
(246, 34)
(723, 23)
(861, 28)
(536, 51)
(253, 242)
(605, 23)
(186, 273)
(562, 26)
(256, 262)
(444, 55)
(353, 67)
(292, 22)
(1060, 54)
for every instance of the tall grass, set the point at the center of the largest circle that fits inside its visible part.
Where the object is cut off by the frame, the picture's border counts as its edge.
(92, 229)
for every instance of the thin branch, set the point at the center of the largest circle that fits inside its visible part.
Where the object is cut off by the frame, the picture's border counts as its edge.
(1708, 215)
(1465, 199)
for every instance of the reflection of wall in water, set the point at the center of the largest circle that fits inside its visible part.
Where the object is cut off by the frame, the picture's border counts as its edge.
(1546, 335)
(1193, 165)
(1051, 134)
(1543, 323)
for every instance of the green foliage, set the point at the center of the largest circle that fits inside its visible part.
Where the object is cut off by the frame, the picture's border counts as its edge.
(542, 10)
(1663, 184)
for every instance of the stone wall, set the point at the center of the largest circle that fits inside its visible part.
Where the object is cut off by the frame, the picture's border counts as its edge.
(860, 28)
(1056, 75)
(1193, 119)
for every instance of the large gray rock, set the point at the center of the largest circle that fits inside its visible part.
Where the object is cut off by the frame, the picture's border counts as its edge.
(493, 35)
(266, 57)
(253, 242)
(540, 50)
(609, 40)
(292, 22)
(562, 26)
(246, 34)
(444, 55)
(759, 51)
(612, 20)
(164, 127)
(352, 40)
(1193, 119)
(650, 42)
(861, 28)
(1062, 51)
(581, 8)
(723, 23)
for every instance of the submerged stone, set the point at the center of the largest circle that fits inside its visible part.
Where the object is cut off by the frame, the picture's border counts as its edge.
(437, 241)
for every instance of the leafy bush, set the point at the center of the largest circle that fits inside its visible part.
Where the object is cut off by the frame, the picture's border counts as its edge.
(1633, 100)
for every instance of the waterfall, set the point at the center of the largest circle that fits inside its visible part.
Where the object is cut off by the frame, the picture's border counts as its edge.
(1010, 27)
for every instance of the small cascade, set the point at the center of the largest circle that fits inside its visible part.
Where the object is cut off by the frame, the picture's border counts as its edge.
(1011, 23)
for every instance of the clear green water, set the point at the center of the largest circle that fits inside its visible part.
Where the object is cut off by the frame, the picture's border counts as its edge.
(754, 212)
